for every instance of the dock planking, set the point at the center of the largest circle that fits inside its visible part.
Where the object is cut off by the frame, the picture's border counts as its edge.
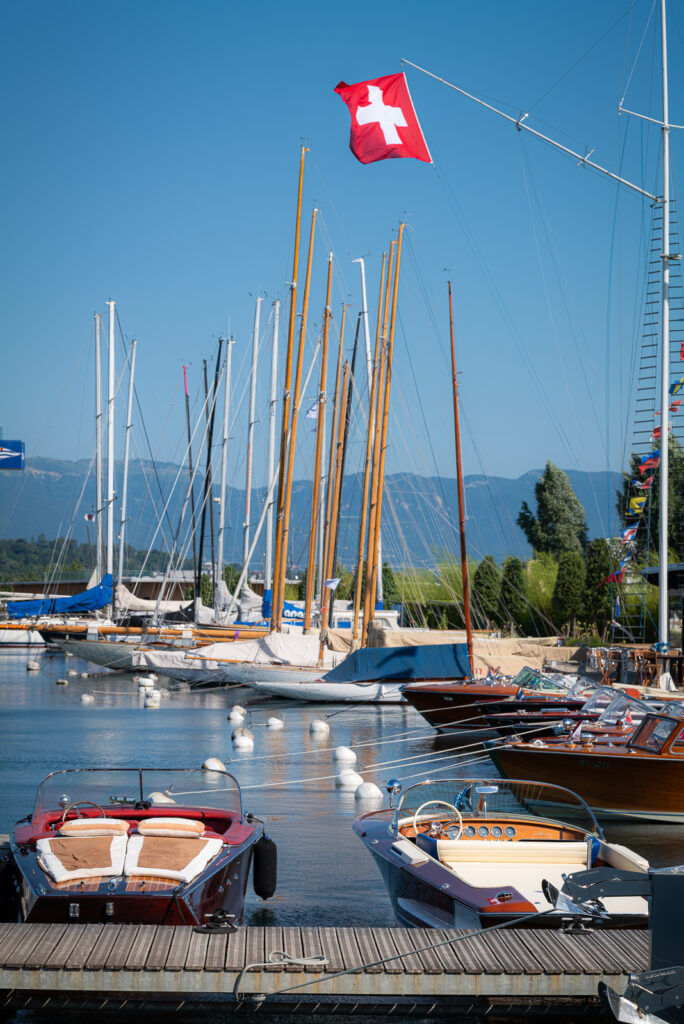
(175, 964)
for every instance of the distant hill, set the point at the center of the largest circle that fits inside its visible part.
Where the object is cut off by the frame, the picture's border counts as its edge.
(420, 520)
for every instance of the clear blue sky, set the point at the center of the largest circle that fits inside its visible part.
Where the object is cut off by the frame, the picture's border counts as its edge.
(150, 154)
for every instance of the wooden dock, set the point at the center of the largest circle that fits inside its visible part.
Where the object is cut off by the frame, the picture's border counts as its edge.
(144, 966)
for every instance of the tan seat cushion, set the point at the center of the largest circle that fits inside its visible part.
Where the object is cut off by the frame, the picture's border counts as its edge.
(478, 851)
(69, 858)
(94, 827)
(180, 827)
(181, 859)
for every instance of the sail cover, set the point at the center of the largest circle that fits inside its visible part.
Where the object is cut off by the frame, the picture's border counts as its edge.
(372, 664)
(87, 601)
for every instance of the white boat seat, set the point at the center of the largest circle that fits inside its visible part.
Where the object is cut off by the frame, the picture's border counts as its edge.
(177, 858)
(457, 851)
(74, 858)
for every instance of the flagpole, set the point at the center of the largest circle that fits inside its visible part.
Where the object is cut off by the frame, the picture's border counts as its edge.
(317, 457)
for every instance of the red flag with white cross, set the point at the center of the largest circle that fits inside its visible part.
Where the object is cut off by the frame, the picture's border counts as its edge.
(383, 120)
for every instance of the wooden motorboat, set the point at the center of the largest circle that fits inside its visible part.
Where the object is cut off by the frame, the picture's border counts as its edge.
(472, 853)
(638, 776)
(151, 846)
(459, 706)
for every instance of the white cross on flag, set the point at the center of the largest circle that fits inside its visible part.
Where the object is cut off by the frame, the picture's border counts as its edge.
(383, 121)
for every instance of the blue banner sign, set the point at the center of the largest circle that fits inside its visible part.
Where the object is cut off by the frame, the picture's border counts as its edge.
(11, 454)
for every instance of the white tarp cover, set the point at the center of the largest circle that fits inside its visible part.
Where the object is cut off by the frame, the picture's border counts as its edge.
(129, 602)
(275, 649)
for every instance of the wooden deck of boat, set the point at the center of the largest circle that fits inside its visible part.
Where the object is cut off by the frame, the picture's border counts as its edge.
(126, 966)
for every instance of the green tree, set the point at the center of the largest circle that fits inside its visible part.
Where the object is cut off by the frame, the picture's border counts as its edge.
(560, 524)
(390, 589)
(568, 593)
(513, 593)
(231, 575)
(487, 591)
(596, 601)
(648, 522)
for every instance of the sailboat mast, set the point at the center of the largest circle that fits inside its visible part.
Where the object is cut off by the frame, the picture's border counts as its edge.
(459, 479)
(192, 475)
(250, 437)
(272, 408)
(287, 397)
(98, 446)
(127, 446)
(317, 455)
(663, 611)
(110, 441)
(224, 471)
(328, 600)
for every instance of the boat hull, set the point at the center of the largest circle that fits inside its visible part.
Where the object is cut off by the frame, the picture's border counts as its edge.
(318, 691)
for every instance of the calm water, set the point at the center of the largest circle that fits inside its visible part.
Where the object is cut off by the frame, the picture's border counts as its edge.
(325, 875)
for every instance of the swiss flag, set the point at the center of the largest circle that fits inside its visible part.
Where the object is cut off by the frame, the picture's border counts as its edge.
(383, 121)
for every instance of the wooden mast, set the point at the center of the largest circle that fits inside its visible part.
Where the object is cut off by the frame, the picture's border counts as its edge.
(285, 532)
(331, 460)
(332, 532)
(461, 504)
(286, 394)
(319, 451)
(385, 411)
(369, 596)
(369, 453)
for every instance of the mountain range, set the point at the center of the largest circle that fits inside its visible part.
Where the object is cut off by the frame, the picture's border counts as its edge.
(420, 521)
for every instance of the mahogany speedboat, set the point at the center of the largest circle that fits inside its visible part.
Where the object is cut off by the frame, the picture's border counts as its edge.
(129, 845)
(458, 707)
(639, 776)
(472, 853)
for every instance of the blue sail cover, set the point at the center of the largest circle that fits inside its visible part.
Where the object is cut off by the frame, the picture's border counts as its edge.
(86, 601)
(372, 664)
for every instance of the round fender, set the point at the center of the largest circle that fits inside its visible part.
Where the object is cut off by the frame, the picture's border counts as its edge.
(265, 868)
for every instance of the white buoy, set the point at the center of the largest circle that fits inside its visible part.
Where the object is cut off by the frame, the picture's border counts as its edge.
(348, 780)
(158, 799)
(153, 676)
(32, 666)
(368, 791)
(236, 714)
(344, 754)
(152, 699)
(72, 672)
(84, 675)
(243, 739)
(212, 764)
(275, 723)
(319, 726)
(62, 682)
(87, 698)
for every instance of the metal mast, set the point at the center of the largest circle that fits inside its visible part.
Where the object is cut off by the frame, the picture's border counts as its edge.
(224, 471)
(272, 410)
(250, 437)
(110, 442)
(98, 446)
(127, 445)
(663, 612)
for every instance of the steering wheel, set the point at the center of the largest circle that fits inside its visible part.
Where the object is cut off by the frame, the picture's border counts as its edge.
(439, 803)
(79, 803)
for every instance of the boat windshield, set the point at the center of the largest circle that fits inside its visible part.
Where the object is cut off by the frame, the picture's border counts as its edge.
(582, 689)
(654, 732)
(531, 679)
(116, 788)
(501, 798)
(623, 706)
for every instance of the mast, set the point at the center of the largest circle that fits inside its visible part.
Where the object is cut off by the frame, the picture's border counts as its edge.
(206, 499)
(98, 446)
(369, 457)
(192, 475)
(127, 444)
(377, 567)
(461, 504)
(280, 596)
(110, 442)
(663, 611)
(287, 397)
(347, 424)
(272, 408)
(333, 441)
(329, 598)
(317, 456)
(224, 471)
(250, 437)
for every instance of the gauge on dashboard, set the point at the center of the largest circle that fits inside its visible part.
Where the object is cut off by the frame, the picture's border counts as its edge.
(454, 832)
(509, 831)
(469, 831)
(497, 831)
(483, 831)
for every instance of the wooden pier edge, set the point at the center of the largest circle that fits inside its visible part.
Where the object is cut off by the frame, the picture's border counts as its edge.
(173, 965)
